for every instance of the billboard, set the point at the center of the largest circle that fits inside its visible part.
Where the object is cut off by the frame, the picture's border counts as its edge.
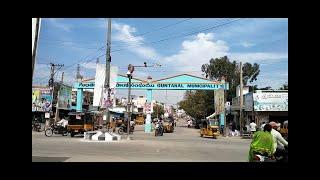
(65, 97)
(99, 90)
(270, 101)
(248, 102)
(219, 101)
(41, 99)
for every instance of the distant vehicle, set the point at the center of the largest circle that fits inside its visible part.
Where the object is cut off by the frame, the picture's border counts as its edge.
(168, 125)
(210, 128)
(197, 122)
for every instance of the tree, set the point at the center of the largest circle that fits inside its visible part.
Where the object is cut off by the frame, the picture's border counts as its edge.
(222, 67)
(198, 104)
(284, 86)
(157, 110)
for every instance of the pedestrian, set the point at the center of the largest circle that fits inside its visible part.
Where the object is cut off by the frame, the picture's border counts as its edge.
(253, 127)
(262, 125)
(262, 143)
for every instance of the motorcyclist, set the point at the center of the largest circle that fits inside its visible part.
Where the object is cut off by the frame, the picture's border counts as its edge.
(279, 143)
(63, 123)
(262, 143)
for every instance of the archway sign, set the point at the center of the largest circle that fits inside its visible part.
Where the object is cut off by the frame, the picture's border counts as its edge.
(178, 82)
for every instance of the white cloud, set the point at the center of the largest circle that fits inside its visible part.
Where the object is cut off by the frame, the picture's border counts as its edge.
(259, 57)
(125, 35)
(55, 22)
(247, 44)
(198, 51)
(90, 65)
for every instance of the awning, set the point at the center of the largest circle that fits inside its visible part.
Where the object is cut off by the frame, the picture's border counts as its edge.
(211, 116)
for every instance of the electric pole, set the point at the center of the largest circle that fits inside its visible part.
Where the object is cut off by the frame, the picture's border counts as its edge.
(62, 77)
(51, 84)
(107, 77)
(241, 99)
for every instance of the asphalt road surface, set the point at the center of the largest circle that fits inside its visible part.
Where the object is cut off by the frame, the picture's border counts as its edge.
(183, 145)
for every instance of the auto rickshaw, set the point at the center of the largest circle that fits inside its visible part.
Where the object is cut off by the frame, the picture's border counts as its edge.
(80, 123)
(210, 127)
(168, 125)
(139, 119)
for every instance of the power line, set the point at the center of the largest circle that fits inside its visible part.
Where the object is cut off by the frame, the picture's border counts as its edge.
(183, 35)
(103, 47)
(158, 29)
(154, 42)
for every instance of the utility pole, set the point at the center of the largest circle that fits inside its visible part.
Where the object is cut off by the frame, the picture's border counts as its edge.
(57, 108)
(107, 77)
(62, 77)
(241, 99)
(51, 84)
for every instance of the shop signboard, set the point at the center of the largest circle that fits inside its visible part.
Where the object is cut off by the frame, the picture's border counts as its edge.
(270, 101)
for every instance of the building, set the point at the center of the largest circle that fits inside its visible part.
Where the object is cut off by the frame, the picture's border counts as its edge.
(262, 106)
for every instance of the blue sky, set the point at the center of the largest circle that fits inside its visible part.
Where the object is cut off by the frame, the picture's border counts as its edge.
(136, 40)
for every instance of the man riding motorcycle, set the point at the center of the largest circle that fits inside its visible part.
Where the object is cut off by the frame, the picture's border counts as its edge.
(279, 143)
(63, 123)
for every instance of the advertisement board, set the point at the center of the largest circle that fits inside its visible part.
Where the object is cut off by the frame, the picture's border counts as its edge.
(219, 101)
(269, 101)
(65, 96)
(41, 99)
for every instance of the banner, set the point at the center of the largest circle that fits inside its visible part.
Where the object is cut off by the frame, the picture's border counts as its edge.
(65, 97)
(99, 90)
(41, 99)
(219, 101)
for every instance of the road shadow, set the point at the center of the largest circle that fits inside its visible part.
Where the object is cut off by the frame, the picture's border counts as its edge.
(48, 159)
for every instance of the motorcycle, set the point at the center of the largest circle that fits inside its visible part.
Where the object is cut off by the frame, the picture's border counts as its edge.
(282, 155)
(258, 157)
(123, 129)
(159, 130)
(279, 156)
(56, 129)
(36, 126)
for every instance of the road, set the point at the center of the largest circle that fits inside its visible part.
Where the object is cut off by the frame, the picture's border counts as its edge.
(184, 145)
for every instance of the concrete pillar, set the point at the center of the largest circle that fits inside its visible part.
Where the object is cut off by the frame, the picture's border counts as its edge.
(79, 100)
(148, 124)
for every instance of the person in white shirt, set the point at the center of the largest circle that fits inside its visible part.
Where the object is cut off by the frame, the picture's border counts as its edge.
(278, 141)
(63, 123)
(262, 126)
(253, 127)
